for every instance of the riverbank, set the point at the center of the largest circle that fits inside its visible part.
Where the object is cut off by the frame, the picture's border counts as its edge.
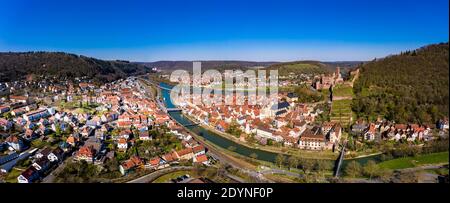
(233, 147)
(327, 155)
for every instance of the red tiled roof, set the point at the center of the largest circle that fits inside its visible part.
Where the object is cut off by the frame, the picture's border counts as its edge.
(198, 148)
(201, 158)
(184, 151)
(86, 151)
(155, 161)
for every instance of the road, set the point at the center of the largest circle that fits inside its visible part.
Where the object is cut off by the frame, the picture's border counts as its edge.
(279, 171)
(154, 175)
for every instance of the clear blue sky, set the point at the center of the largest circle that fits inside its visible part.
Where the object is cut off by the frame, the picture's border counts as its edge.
(228, 29)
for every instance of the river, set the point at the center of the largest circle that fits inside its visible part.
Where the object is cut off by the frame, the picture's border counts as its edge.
(226, 143)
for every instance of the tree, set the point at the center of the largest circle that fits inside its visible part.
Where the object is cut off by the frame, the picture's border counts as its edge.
(371, 169)
(385, 175)
(58, 130)
(323, 165)
(353, 169)
(307, 164)
(293, 162)
(280, 160)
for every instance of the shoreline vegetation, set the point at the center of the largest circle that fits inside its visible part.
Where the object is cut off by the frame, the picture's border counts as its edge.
(285, 151)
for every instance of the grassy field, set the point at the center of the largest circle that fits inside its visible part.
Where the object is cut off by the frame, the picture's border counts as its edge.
(166, 178)
(11, 177)
(343, 91)
(411, 162)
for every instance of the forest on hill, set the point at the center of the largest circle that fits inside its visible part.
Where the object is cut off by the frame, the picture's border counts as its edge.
(412, 86)
(313, 67)
(14, 66)
(169, 66)
(300, 67)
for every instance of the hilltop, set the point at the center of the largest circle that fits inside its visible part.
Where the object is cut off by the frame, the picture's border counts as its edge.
(297, 66)
(311, 67)
(169, 66)
(14, 66)
(409, 87)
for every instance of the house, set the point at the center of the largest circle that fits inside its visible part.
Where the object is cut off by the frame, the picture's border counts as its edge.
(30, 135)
(279, 109)
(36, 115)
(144, 135)
(86, 153)
(15, 143)
(42, 164)
(359, 128)
(109, 117)
(8, 158)
(56, 155)
(72, 140)
(185, 154)
(222, 126)
(201, 159)
(125, 134)
(86, 132)
(18, 112)
(43, 153)
(133, 163)
(5, 124)
(21, 99)
(198, 150)
(122, 144)
(29, 175)
(264, 132)
(4, 109)
(155, 162)
(335, 133)
(94, 122)
(370, 134)
(312, 139)
(124, 124)
(170, 157)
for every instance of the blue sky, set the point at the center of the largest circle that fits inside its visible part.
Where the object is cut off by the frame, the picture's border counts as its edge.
(223, 30)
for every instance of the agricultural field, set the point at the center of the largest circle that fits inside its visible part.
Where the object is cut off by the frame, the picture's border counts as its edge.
(343, 91)
(341, 111)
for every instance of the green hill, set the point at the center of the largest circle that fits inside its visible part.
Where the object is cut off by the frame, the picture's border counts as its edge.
(410, 87)
(301, 67)
(15, 66)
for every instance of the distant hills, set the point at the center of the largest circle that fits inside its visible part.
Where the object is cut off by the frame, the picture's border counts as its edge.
(312, 67)
(15, 66)
(169, 66)
(412, 86)
(284, 68)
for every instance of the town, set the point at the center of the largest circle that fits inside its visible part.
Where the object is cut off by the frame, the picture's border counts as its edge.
(83, 122)
(124, 130)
